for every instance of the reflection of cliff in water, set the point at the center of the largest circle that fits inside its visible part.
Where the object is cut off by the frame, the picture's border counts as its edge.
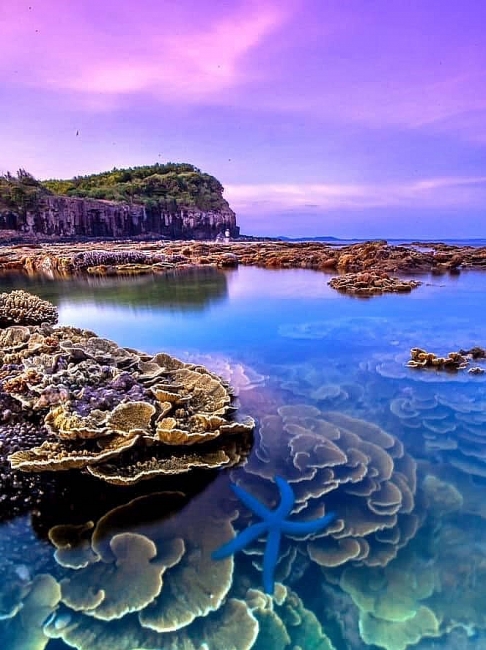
(179, 290)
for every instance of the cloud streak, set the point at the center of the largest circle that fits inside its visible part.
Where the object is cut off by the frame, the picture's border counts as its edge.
(384, 100)
(440, 192)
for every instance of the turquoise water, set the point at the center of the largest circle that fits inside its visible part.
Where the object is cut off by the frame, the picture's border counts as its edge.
(397, 453)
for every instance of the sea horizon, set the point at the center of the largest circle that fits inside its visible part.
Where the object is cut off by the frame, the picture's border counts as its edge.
(409, 241)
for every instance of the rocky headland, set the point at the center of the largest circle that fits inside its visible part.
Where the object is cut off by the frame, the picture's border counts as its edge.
(169, 201)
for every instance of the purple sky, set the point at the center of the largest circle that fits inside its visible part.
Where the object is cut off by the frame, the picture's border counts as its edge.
(352, 118)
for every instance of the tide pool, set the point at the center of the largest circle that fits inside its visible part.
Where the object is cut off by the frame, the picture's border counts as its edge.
(399, 454)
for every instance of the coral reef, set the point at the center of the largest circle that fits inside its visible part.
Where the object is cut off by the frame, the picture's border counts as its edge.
(440, 423)
(433, 587)
(370, 283)
(284, 622)
(392, 614)
(22, 308)
(374, 260)
(453, 361)
(140, 578)
(275, 523)
(334, 463)
(119, 414)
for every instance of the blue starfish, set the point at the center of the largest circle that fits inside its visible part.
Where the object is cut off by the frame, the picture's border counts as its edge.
(275, 523)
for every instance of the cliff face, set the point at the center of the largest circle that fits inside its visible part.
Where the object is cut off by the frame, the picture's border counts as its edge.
(61, 216)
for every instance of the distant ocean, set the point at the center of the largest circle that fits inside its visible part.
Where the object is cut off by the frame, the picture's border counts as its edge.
(335, 241)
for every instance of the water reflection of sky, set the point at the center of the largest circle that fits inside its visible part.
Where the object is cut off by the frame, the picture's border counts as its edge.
(258, 305)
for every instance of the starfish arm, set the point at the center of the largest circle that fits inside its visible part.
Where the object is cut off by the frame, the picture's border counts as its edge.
(307, 527)
(239, 542)
(270, 559)
(287, 498)
(251, 502)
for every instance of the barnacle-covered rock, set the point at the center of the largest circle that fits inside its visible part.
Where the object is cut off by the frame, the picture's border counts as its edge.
(22, 308)
(96, 258)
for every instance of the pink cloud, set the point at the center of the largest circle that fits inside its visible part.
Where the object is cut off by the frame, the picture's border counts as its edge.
(175, 51)
(439, 192)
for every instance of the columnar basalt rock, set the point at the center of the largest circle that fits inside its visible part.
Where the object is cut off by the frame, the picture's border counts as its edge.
(61, 216)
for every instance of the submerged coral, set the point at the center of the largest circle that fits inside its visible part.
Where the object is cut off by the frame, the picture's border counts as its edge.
(148, 581)
(334, 463)
(275, 523)
(117, 413)
(445, 424)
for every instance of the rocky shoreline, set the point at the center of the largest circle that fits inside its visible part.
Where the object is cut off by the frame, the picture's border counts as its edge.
(129, 257)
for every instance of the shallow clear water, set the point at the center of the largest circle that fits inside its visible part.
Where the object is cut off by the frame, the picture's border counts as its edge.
(284, 339)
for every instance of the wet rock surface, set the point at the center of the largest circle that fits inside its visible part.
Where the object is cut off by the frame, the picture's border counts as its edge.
(372, 263)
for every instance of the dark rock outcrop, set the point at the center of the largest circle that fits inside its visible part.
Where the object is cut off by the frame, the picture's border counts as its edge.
(60, 216)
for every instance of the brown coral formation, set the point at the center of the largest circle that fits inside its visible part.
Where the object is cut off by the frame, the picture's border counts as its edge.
(423, 359)
(370, 283)
(22, 308)
(155, 585)
(231, 627)
(341, 464)
(118, 257)
(119, 414)
(453, 361)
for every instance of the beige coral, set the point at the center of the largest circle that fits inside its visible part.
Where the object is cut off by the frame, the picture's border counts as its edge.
(342, 464)
(174, 406)
(22, 308)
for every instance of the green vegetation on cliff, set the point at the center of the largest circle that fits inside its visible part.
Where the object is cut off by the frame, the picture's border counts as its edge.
(21, 192)
(169, 187)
